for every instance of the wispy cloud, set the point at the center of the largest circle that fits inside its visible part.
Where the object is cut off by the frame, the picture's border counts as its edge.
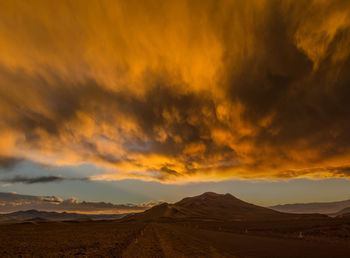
(41, 179)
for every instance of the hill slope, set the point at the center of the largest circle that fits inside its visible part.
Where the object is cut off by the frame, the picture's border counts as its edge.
(343, 213)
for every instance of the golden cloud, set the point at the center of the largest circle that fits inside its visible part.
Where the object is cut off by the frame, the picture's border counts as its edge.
(177, 90)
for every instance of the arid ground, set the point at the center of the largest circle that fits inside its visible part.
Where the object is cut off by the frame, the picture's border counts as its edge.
(328, 237)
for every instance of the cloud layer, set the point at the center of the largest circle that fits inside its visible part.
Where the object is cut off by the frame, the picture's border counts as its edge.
(177, 91)
(11, 202)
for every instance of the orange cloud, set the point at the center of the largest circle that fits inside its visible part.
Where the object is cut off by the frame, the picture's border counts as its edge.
(177, 91)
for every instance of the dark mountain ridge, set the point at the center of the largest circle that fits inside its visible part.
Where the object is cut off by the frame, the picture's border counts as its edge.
(35, 215)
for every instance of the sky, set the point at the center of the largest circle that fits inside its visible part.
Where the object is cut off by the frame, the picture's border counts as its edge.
(136, 101)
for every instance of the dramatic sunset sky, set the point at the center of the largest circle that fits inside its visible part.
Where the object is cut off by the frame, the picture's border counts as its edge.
(136, 101)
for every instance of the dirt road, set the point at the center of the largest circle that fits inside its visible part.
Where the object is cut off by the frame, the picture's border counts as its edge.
(167, 240)
(113, 239)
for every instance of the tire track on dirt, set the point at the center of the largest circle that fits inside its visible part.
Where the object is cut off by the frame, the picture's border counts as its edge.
(177, 244)
(145, 244)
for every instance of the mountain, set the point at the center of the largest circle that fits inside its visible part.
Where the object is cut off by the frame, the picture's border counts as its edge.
(316, 207)
(212, 206)
(223, 206)
(35, 215)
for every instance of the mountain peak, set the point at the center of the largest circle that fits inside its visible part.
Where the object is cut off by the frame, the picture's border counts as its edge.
(210, 194)
(213, 194)
(207, 197)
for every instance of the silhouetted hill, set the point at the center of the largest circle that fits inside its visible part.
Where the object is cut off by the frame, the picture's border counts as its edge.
(212, 206)
(316, 207)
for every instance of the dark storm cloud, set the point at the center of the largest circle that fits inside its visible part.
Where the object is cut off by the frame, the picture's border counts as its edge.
(237, 89)
(41, 179)
(184, 118)
(293, 103)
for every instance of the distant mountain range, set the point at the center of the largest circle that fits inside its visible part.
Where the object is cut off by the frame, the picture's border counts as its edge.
(213, 207)
(330, 208)
(34, 215)
(12, 202)
(205, 207)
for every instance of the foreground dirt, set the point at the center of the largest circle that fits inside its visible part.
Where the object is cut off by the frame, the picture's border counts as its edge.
(325, 238)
